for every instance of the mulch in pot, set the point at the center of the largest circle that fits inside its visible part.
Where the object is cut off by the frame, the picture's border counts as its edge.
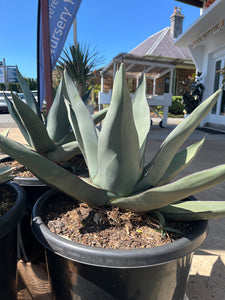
(76, 165)
(109, 227)
(7, 199)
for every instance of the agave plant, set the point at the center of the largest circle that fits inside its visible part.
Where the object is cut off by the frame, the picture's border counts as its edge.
(53, 138)
(118, 174)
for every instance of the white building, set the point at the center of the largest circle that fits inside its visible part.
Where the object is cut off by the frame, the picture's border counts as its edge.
(205, 39)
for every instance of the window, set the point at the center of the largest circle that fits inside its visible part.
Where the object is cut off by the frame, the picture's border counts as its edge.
(216, 82)
(167, 85)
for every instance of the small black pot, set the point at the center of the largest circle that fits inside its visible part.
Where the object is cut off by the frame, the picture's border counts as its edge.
(30, 249)
(83, 272)
(8, 244)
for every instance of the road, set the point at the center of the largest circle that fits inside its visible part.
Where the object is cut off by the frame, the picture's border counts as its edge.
(6, 121)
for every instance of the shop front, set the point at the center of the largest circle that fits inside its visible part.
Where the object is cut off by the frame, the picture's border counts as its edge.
(205, 39)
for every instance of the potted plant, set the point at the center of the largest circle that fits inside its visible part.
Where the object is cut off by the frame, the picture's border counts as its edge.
(121, 187)
(52, 137)
(192, 93)
(12, 209)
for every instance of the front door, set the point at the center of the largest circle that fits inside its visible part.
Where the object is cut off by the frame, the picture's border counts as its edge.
(218, 112)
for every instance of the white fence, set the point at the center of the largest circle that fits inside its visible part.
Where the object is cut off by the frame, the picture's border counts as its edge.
(164, 100)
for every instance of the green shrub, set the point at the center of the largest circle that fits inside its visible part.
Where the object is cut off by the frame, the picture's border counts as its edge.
(177, 107)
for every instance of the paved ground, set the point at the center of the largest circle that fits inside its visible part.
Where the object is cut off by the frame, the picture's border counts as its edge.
(207, 276)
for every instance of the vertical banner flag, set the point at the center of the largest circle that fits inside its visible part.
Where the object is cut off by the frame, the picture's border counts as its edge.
(62, 13)
(2, 75)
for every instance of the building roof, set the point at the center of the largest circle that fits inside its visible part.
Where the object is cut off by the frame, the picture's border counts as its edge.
(155, 56)
(161, 44)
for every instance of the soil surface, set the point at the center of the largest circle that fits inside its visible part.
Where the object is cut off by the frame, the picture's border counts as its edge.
(7, 199)
(19, 170)
(77, 166)
(108, 227)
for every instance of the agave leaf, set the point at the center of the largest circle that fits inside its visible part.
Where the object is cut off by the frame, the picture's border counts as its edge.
(5, 174)
(17, 119)
(154, 171)
(194, 210)
(68, 138)
(38, 134)
(5, 132)
(83, 125)
(58, 124)
(99, 116)
(55, 175)
(29, 97)
(170, 193)
(118, 166)
(85, 98)
(141, 115)
(64, 152)
(180, 161)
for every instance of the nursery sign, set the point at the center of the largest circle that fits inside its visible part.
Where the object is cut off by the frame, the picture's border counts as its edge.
(61, 16)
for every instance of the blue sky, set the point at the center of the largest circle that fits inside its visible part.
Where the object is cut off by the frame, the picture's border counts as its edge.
(111, 27)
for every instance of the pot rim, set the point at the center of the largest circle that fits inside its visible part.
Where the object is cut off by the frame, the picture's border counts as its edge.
(115, 258)
(24, 181)
(9, 220)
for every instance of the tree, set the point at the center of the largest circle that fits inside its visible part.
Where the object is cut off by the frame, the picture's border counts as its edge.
(81, 63)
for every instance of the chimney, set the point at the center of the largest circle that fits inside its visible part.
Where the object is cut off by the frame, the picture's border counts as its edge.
(176, 22)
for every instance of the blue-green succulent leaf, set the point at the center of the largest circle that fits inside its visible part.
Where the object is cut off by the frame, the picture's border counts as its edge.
(5, 174)
(188, 210)
(29, 97)
(82, 125)
(170, 193)
(180, 161)
(58, 124)
(85, 98)
(99, 116)
(68, 138)
(38, 134)
(64, 152)
(17, 119)
(118, 156)
(154, 171)
(55, 176)
(5, 132)
(141, 115)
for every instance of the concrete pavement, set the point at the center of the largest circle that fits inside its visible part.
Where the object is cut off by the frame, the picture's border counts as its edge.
(207, 276)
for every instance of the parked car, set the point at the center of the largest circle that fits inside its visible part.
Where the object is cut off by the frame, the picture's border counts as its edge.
(3, 105)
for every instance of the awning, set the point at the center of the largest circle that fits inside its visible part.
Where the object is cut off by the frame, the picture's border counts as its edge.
(153, 67)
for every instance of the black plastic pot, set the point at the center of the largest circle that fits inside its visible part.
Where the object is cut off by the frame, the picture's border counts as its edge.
(83, 272)
(8, 244)
(30, 249)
